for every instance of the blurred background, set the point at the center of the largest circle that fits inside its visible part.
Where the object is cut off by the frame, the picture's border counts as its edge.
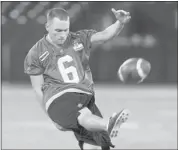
(151, 34)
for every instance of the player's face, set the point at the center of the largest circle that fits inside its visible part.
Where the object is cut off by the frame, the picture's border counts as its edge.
(58, 30)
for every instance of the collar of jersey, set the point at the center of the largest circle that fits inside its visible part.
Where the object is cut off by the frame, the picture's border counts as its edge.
(55, 48)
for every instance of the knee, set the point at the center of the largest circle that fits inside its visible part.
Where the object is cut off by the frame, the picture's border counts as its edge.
(60, 127)
(82, 118)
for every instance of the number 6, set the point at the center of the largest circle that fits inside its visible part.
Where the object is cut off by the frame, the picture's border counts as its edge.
(66, 71)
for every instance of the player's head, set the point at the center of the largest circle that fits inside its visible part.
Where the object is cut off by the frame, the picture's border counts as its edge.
(58, 23)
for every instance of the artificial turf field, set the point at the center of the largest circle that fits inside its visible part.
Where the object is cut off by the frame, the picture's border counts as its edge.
(152, 124)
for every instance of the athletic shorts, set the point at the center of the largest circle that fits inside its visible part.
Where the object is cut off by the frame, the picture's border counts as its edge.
(64, 111)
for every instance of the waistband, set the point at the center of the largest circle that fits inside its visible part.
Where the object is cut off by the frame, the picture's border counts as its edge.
(54, 97)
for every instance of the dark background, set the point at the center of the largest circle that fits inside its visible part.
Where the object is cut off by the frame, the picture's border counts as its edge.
(151, 34)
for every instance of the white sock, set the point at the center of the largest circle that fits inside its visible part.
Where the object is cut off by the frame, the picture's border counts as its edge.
(91, 147)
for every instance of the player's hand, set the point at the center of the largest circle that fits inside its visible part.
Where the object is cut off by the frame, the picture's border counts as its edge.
(121, 15)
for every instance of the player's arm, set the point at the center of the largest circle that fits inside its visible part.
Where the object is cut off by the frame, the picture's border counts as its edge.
(113, 30)
(37, 82)
(34, 68)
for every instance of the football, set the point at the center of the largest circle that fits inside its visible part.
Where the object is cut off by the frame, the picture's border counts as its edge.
(134, 70)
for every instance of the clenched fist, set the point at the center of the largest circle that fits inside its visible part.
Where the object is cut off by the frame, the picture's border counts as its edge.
(121, 15)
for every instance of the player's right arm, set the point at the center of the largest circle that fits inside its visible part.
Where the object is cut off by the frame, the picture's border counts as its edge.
(34, 68)
(113, 30)
(37, 83)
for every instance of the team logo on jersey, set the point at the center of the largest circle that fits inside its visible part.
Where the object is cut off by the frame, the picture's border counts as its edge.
(80, 105)
(78, 46)
(44, 56)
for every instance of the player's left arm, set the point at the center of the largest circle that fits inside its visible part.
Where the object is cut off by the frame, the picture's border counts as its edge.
(113, 30)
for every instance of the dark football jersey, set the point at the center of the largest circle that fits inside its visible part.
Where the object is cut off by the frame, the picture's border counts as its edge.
(64, 67)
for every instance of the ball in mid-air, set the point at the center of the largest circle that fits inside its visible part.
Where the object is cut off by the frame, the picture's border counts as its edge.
(134, 70)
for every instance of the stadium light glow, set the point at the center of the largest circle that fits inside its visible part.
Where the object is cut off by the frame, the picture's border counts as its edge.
(14, 14)
(21, 20)
(41, 19)
(20, 8)
(38, 8)
(31, 14)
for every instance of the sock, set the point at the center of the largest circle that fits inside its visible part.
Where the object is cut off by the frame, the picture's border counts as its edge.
(80, 143)
(105, 148)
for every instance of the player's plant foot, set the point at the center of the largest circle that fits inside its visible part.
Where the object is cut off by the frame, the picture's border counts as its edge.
(116, 120)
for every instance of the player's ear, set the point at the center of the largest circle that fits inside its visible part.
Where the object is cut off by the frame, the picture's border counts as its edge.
(47, 26)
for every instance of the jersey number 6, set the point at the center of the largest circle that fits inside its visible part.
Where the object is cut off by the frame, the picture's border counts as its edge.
(66, 71)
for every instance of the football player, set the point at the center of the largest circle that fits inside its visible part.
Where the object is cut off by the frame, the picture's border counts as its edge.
(60, 75)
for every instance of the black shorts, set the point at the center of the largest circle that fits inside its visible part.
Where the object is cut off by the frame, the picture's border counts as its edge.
(65, 110)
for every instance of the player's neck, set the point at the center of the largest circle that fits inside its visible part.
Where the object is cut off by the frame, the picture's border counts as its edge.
(50, 40)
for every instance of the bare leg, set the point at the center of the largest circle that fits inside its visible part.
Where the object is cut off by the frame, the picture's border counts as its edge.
(91, 122)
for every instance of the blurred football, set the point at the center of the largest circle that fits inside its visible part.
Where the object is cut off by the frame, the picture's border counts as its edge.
(134, 70)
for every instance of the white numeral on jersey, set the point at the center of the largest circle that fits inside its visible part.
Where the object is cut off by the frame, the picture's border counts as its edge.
(66, 71)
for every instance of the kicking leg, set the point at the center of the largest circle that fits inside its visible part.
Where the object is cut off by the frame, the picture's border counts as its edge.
(92, 122)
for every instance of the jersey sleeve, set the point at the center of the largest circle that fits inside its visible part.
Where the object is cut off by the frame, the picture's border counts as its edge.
(32, 65)
(85, 36)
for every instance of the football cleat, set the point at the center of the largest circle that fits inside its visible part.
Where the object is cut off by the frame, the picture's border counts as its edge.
(115, 122)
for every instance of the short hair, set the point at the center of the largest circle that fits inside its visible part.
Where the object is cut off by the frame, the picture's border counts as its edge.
(60, 13)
